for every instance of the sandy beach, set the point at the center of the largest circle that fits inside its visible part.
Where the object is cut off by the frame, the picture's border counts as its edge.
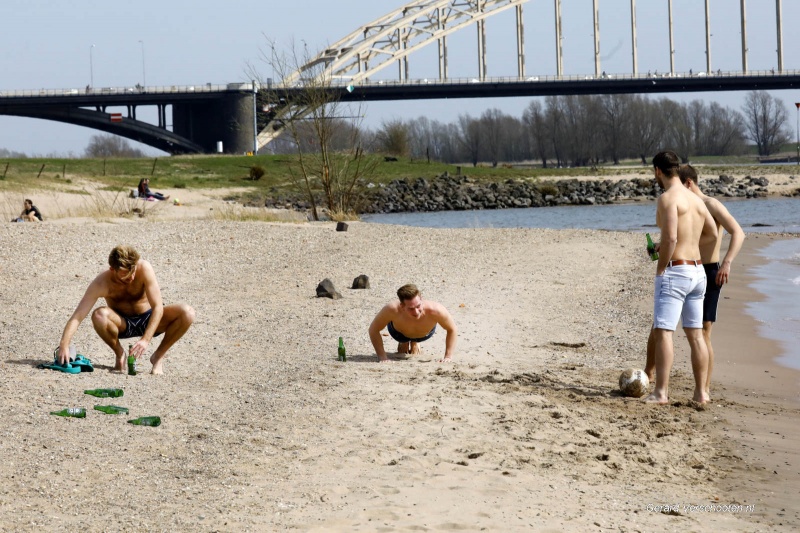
(263, 430)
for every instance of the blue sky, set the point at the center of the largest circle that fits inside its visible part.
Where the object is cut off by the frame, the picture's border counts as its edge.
(48, 44)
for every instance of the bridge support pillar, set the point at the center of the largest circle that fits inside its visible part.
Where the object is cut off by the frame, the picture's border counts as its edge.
(229, 120)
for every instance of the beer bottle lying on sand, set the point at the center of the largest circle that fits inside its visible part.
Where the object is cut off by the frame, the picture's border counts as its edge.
(74, 412)
(105, 393)
(153, 421)
(112, 409)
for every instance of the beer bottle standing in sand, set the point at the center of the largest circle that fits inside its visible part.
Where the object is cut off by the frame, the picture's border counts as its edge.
(131, 362)
(651, 248)
(342, 352)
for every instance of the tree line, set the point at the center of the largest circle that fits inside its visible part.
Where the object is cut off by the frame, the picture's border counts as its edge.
(583, 130)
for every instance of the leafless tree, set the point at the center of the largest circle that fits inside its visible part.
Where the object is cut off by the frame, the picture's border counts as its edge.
(615, 124)
(106, 146)
(538, 132)
(493, 134)
(766, 119)
(393, 138)
(330, 158)
(649, 122)
(470, 138)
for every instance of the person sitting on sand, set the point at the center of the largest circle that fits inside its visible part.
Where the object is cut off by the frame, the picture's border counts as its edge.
(134, 309)
(680, 280)
(412, 320)
(145, 192)
(30, 213)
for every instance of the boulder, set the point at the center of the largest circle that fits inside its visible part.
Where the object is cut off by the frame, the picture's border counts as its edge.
(361, 282)
(325, 289)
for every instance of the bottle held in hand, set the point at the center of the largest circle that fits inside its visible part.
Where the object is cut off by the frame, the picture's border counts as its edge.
(72, 412)
(132, 371)
(651, 248)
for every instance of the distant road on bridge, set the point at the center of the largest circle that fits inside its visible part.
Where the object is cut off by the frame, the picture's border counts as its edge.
(649, 83)
(205, 117)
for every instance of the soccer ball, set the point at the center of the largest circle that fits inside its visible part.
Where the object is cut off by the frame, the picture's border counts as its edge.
(633, 383)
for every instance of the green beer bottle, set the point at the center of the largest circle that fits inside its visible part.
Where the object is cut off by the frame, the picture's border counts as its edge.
(105, 393)
(651, 248)
(131, 362)
(73, 412)
(342, 351)
(112, 409)
(153, 421)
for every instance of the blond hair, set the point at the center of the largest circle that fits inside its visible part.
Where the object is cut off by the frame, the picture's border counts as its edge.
(408, 292)
(123, 257)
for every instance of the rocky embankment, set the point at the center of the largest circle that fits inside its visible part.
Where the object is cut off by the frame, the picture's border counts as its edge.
(455, 193)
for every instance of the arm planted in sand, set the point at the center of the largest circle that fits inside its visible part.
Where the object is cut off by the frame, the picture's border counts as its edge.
(380, 321)
(94, 291)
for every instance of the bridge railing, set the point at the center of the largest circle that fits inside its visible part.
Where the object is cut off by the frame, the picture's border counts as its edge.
(138, 89)
(345, 82)
(583, 77)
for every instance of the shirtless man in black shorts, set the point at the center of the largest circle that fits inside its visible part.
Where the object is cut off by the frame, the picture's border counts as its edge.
(717, 272)
(412, 320)
(131, 291)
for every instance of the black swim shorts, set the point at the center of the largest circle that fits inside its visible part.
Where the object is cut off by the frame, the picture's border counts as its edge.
(399, 337)
(135, 325)
(711, 298)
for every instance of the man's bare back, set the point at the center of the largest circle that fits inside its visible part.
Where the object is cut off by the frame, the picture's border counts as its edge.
(680, 215)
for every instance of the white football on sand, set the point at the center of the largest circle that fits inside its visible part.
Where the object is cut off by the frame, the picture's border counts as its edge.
(633, 383)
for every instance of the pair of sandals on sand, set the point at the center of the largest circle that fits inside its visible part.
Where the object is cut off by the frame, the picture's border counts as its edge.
(75, 365)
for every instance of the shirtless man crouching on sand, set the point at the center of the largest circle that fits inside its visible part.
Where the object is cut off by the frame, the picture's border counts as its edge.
(131, 291)
(412, 320)
(680, 281)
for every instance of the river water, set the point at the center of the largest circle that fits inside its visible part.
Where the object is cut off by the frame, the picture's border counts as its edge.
(778, 278)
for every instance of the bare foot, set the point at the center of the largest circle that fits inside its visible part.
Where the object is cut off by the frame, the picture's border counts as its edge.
(158, 365)
(701, 397)
(655, 398)
(415, 349)
(118, 367)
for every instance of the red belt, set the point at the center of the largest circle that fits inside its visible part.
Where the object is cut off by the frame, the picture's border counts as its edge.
(676, 262)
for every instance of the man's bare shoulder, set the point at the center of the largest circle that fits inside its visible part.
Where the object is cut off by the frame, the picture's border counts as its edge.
(435, 307)
(103, 279)
(392, 308)
(714, 206)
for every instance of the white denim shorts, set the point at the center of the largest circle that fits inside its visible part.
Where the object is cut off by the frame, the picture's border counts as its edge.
(679, 295)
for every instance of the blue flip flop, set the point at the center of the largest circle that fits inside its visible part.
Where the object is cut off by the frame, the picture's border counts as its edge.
(83, 363)
(66, 368)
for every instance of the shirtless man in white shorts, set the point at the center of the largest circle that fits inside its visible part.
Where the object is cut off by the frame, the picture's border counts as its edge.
(680, 281)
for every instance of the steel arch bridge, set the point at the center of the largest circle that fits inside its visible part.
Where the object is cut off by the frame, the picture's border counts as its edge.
(392, 38)
(203, 116)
